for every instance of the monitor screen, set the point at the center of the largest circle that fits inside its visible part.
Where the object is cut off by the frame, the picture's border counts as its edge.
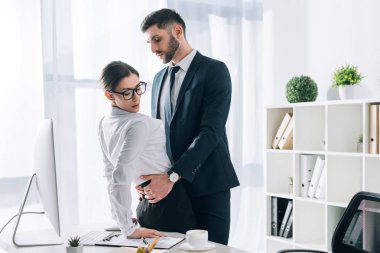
(44, 165)
(45, 176)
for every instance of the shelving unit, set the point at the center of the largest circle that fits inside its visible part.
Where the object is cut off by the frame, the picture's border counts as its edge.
(330, 129)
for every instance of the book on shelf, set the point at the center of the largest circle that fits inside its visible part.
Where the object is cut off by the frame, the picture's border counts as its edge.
(281, 130)
(278, 208)
(307, 163)
(373, 129)
(289, 208)
(286, 141)
(320, 189)
(289, 226)
(319, 165)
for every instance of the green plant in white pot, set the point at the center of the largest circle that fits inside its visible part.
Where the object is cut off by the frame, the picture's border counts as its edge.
(74, 245)
(347, 78)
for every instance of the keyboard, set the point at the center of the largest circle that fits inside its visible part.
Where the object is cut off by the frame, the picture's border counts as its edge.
(93, 237)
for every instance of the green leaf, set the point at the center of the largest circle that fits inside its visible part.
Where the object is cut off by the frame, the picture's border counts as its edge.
(346, 75)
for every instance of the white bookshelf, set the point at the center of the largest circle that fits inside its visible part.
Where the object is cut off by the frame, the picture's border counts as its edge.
(330, 129)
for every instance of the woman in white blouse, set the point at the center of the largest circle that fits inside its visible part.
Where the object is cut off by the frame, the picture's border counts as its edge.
(133, 144)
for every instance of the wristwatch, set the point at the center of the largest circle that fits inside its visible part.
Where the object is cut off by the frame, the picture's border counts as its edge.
(173, 176)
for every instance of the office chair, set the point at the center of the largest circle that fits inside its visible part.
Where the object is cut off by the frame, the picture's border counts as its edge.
(358, 230)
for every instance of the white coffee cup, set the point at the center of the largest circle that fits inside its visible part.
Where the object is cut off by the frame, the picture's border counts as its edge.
(197, 238)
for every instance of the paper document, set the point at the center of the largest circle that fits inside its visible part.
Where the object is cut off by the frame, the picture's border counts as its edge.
(118, 240)
(133, 250)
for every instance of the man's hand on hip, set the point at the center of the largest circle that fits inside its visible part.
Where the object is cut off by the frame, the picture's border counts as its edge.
(159, 187)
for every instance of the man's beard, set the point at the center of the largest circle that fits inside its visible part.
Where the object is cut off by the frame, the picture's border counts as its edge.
(173, 47)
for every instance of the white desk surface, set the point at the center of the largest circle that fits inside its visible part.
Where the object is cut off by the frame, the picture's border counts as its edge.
(7, 245)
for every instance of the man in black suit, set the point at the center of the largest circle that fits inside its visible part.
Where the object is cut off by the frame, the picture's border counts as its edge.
(192, 96)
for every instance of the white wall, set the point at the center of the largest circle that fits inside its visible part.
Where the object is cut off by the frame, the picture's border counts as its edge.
(314, 37)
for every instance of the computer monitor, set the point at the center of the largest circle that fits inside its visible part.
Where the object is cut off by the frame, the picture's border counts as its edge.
(45, 176)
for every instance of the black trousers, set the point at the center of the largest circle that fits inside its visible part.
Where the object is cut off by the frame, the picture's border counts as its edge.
(174, 213)
(213, 214)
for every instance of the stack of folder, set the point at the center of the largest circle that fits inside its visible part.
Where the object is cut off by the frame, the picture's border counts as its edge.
(284, 136)
(374, 123)
(281, 217)
(312, 175)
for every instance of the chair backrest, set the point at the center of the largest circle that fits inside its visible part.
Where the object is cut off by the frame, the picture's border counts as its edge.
(359, 228)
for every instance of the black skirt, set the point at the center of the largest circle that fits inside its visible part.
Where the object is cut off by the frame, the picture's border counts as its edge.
(174, 213)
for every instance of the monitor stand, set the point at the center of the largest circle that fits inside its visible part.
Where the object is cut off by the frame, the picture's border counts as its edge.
(20, 213)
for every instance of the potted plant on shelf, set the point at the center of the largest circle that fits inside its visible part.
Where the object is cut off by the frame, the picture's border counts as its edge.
(360, 144)
(301, 89)
(347, 78)
(74, 245)
(290, 186)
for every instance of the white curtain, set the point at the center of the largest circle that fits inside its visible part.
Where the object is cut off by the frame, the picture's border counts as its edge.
(81, 37)
(21, 98)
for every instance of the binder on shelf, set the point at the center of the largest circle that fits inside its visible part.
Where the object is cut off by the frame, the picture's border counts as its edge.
(286, 217)
(288, 229)
(286, 141)
(378, 128)
(373, 129)
(319, 190)
(274, 217)
(359, 242)
(357, 230)
(316, 176)
(347, 235)
(278, 207)
(281, 130)
(307, 163)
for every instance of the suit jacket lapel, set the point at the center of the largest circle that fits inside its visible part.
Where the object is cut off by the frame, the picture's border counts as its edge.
(156, 92)
(189, 76)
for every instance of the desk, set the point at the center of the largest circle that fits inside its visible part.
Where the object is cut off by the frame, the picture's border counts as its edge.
(7, 245)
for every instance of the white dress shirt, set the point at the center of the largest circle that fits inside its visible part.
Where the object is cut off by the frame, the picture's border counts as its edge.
(184, 65)
(133, 144)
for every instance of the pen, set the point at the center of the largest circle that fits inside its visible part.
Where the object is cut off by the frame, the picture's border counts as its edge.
(110, 237)
(152, 245)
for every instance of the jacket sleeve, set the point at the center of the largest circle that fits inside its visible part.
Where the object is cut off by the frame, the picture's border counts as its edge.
(214, 112)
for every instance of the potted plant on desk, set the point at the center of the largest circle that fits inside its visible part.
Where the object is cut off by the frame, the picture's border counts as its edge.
(347, 79)
(74, 245)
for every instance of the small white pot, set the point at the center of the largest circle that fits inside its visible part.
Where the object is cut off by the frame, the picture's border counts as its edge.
(290, 188)
(360, 147)
(347, 91)
(78, 249)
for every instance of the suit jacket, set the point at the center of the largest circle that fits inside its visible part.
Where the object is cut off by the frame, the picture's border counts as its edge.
(197, 131)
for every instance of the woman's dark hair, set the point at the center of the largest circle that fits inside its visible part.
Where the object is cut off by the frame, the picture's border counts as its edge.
(163, 19)
(114, 72)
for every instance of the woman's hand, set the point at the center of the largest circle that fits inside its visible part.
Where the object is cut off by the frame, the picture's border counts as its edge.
(146, 233)
(158, 188)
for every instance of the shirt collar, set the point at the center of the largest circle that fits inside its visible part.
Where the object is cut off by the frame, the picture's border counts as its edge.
(115, 111)
(184, 64)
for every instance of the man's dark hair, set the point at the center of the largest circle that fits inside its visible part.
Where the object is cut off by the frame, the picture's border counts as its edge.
(114, 72)
(163, 18)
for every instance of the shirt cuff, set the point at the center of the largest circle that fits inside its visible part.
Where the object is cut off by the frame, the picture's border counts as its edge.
(128, 229)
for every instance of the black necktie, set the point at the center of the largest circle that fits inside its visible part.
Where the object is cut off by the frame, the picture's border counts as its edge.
(169, 111)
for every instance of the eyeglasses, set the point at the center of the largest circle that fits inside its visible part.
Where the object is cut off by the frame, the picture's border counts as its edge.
(129, 93)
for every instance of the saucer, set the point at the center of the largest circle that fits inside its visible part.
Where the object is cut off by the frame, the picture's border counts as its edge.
(186, 246)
